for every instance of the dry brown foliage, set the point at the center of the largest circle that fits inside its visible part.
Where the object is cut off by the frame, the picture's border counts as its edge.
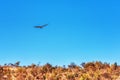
(88, 71)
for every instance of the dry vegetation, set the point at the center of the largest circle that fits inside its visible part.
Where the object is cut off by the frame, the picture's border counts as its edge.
(86, 71)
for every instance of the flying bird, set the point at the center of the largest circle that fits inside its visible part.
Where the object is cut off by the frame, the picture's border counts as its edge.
(41, 26)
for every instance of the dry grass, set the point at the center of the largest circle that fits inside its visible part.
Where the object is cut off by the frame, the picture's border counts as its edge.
(88, 71)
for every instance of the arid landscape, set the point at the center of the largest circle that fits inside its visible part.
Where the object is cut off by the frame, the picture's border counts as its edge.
(85, 71)
(74, 39)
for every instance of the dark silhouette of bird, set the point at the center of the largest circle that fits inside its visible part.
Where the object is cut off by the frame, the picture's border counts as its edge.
(41, 26)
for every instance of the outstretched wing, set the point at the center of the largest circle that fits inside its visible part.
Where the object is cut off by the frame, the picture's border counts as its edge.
(41, 26)
(44, 25)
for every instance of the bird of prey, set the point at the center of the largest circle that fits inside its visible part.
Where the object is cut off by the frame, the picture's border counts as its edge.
(41, 26)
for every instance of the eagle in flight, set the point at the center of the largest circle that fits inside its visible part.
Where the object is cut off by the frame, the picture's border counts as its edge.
(41, 26)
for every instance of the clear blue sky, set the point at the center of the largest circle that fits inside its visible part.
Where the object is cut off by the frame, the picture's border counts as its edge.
(78, 31)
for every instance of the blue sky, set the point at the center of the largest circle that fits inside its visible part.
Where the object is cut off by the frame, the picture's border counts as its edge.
(78, 31)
